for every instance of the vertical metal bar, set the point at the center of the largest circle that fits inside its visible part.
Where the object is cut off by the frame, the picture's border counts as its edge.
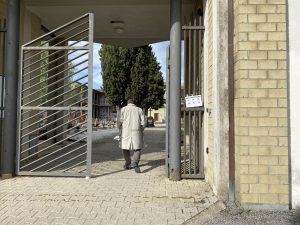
(11, 81)
(195, 51)
(190, 93)
(184, 95)
(201, 92)
(167, 110)
(90, 95)
(175, 87)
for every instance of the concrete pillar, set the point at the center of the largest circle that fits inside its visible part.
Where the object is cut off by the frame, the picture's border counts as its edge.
(11, 84)
(175, 87)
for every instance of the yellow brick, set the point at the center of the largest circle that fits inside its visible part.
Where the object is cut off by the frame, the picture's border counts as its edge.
(278, 93)
(258, 36)
(248, 122)
(284, 179)
(258, 131)
(248, 179)
(259, 150)
(242, 18)
(258, 188)
(244, 131)
(268, 179)
(267, 122)
(248, 141)
(258, 169)
(277, 36)
(282, 84)
(268, 141)
(267, 64)
(258, 112)
(283, 199)
(257, 2)
(268, 102)
(242, 74)
(247, 64)
(244, 169)
(279, 151)
(278, 131)
(280, 112)
(258, 55)
(282, 103)
(276, 18)
(244, 188)
(281, 27)
(247, 45)
(268, 199)
(281, 9)
(242, 93)
(259, 74)
(283, 141)
(255, 18)
(268, 160)
(266, 45)
(278, 170)
(266, 8)
(267, 27)
(283, 160)
(244, 27)
(282, 122)
(243, 37)
(247, 83)
(281, 65)
(249, 198)
(277, 54)
(248, 160)
(241, 55)
(247, 9)
(277, 74)
(281, 45)
(267, 84)
(279, 189)
(275, 2)
(248, 102)
(257, 93)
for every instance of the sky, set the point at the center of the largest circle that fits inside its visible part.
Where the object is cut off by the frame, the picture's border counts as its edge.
(159, 50)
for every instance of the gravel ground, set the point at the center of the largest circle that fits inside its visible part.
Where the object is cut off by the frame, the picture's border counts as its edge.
(233, 215)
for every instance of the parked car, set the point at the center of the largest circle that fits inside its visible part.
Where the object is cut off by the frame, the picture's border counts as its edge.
(150, 122)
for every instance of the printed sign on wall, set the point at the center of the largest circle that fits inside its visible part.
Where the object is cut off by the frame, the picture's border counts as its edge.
(193, 101)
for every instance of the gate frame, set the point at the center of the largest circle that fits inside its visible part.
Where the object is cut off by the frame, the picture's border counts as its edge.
(89, 107)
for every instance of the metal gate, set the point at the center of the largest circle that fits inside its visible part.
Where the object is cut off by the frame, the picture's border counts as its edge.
(2, 80)
(55, 102)
(192, 155)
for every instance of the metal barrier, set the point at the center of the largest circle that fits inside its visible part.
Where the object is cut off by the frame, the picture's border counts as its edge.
(55, 99)
(192, 155)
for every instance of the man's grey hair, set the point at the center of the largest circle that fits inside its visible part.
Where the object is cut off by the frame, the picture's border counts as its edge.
(130, 101)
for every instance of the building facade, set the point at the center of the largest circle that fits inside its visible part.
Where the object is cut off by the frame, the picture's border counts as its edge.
(250, 86)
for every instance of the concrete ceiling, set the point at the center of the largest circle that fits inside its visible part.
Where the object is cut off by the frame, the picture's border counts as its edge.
(146, 21)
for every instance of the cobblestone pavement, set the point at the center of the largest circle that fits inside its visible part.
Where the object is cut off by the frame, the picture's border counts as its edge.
(111, 196)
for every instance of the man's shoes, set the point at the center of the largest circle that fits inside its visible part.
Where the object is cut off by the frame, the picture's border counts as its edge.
(137, 169)
(127, 167)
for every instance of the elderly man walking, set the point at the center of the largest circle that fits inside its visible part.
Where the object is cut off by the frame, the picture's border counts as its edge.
(131, 122)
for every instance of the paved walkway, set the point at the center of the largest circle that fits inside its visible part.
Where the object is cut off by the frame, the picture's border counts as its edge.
(111, 196)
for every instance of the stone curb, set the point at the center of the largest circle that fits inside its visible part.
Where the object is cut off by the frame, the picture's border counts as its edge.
(206, 214)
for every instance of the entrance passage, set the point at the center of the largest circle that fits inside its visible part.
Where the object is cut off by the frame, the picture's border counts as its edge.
(192, 159)
(55, 116)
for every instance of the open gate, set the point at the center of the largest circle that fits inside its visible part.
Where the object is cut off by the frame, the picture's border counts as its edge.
(55, 102)
(192, 155)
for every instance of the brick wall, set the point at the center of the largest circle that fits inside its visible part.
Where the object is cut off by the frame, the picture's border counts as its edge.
(261, 102)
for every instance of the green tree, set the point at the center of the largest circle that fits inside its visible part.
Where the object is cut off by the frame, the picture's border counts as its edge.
(132, 72)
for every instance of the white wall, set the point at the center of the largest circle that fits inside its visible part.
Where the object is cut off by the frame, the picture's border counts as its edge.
(294, 48)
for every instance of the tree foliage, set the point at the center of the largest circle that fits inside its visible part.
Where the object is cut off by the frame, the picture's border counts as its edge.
(132, 72)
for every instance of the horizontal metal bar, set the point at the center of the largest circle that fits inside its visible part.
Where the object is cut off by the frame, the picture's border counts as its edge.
(51, 130)
(52, 174)
(49, 108)
(53, 68)
(65, 100)
(3, 30)
(71, 167)
(74, 150)
(55, 136)
(193, 109)
(70, 38)
(191, 27)
(192, 176)
(57, 29)
(45, 156)
(65, 32)
(52, 83)
(61, 87)
(51, 48)
(66, 162)
(36, 153)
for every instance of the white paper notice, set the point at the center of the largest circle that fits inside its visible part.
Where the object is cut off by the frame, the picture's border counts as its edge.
(193, 101)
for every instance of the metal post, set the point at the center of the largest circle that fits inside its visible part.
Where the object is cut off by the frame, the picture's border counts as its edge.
(175, 89)
(11, 87)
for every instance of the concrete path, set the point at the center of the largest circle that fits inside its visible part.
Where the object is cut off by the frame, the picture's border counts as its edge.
(111, 196)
